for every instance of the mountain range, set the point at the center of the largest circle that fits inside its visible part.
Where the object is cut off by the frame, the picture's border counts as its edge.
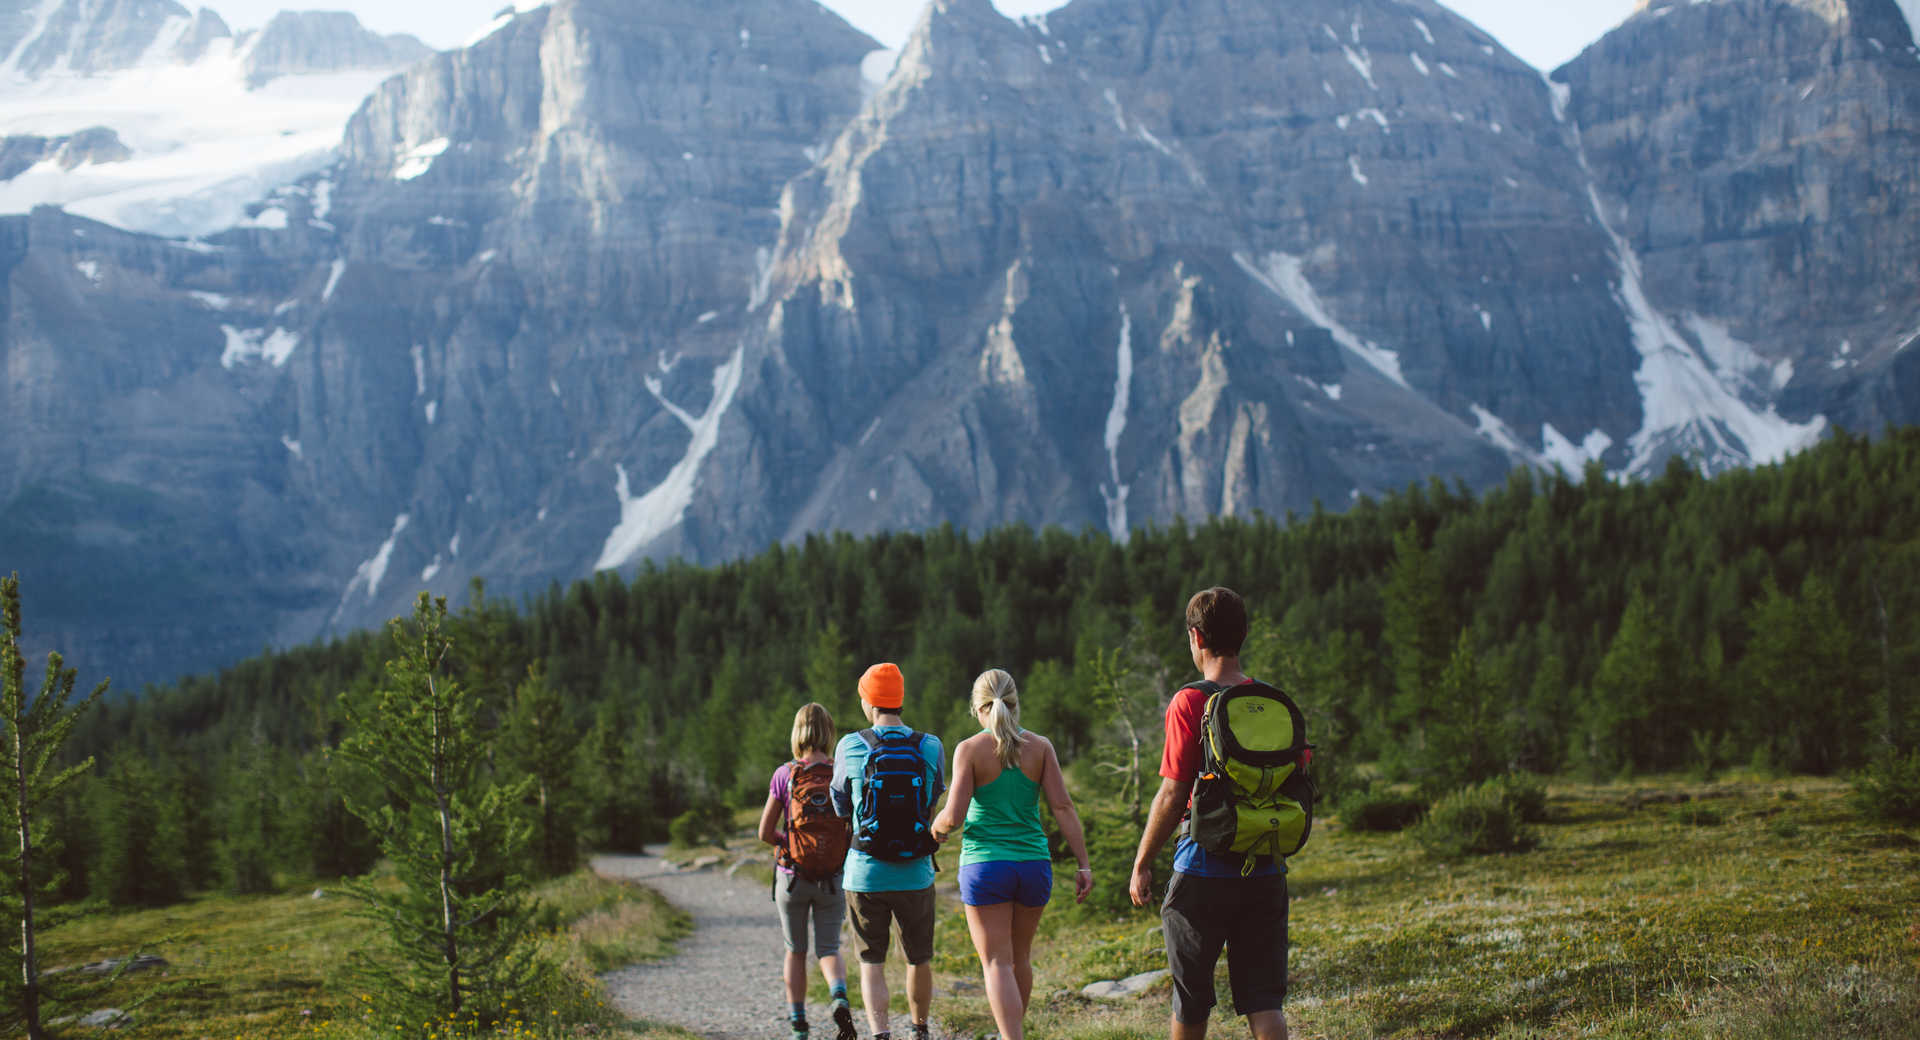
(626, 281)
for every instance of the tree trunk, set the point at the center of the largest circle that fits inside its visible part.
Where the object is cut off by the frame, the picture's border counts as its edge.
(1133, 772)
(29, 971)
(1888, 717)
(450, 946)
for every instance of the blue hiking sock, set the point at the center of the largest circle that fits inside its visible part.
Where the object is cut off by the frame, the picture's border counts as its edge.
(796, 1012)
(840, 990)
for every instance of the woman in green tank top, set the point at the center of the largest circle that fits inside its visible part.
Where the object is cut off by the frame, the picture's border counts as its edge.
(1006, 876)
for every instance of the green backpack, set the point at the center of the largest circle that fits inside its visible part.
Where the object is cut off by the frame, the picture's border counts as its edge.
(1254, 796)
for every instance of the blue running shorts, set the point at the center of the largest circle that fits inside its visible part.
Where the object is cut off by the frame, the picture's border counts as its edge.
(984, 884)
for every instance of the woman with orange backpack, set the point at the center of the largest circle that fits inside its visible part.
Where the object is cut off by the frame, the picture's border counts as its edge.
(812, 839)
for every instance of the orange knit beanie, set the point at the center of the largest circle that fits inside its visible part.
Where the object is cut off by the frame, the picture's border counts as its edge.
(883, 687)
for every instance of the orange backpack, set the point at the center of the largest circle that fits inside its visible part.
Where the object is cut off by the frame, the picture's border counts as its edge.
(817, 837)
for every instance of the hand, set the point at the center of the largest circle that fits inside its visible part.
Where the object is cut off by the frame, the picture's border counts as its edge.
(942, 829)
(1141, 887)
(1082, 884)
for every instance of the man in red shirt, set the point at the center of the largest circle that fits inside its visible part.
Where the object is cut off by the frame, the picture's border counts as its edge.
(1213, 900)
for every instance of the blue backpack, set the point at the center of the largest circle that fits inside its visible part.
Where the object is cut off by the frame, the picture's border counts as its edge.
(896, 800)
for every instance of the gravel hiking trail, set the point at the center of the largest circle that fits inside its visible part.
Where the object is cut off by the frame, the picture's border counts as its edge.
(724, 982)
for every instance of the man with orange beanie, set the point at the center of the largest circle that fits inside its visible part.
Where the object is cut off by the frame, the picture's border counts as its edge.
(888, 778)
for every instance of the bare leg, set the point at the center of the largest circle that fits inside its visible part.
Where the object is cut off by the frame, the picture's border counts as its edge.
(992, 930)
(1026, 921)
(874, 995)
(920, 991)
(796, 976)
(1268, 1025)
(1183, 1031)
(832, 970)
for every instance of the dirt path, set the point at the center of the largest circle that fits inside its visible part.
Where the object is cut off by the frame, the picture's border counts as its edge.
(725, 981)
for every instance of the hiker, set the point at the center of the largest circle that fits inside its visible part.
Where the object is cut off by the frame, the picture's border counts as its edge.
(812, 838)
(1006, 873)
(887, 778)
(1213, 898)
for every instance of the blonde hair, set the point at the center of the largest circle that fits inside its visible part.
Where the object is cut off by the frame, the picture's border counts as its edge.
(812, 729)
(996, 688)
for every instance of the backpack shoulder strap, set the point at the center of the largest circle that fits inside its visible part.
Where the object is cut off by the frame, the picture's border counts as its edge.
(869, 738)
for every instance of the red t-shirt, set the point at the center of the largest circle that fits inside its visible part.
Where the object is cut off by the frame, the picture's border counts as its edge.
(1180, 760)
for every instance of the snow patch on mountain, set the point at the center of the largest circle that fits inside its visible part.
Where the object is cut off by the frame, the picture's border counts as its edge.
(244, 345)
(1285, 277)
(647, 517)
(1692, 408)
(1558, 451)
(203, 144)
(1116, 499)
(373, 570)
(503, 19)
(205, 132)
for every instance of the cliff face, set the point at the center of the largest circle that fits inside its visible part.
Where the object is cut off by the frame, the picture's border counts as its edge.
(624, 281)
(1188, 259)
(1760, 156)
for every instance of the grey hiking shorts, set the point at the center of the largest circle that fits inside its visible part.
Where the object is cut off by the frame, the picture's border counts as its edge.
(800, 901)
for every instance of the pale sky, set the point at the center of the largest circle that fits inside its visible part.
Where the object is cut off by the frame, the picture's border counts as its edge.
(1545, 33)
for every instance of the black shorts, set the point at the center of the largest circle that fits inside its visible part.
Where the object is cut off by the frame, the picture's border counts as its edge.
(1247, 915)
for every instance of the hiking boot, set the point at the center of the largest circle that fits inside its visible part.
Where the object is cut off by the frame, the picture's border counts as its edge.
(843, 1020)
(920, 1031)
(801, 1031)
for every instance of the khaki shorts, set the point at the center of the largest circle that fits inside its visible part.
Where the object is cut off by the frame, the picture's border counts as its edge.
(872, 915)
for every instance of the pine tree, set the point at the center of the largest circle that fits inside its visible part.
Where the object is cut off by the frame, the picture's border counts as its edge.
(251, 809)
(35, 730)
(1419, 636)
(461, 920)
(142, 858)
(1811, 680)
(539, 743)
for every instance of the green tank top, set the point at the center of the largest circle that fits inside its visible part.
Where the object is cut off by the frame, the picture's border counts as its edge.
(1003, 822)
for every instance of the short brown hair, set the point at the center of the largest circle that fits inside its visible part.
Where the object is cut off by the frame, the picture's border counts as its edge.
(1220, 616)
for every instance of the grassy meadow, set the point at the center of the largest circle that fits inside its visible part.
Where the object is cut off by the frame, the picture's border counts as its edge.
(275, 967)
(1755, 907)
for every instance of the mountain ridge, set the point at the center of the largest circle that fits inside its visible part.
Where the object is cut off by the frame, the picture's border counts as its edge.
(614, 285)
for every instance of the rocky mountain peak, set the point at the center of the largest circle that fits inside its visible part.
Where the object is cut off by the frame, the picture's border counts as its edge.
(87, 37)
(1889, 21)
(206, 28)
(294, 42)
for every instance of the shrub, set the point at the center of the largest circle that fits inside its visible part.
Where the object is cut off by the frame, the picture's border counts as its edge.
(1523, 793)
(1693, 814)
(1889, 789)
(1474, 820)
(1376, 810)
(705, 823)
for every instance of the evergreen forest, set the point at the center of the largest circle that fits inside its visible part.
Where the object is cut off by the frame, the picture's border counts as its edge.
(1435, 637)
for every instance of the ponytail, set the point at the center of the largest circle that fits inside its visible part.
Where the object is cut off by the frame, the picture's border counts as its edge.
(996, 688)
